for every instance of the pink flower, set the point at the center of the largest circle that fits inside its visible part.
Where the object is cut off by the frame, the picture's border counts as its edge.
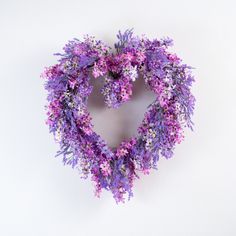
(78, 49)
(105, 167)
(146, 171)
(87, 130)
(100, 68)
(129, 56)
(125, 147)
(121, 152)
(140, 57)
(124, 96)
(174, 58)
(72, 83)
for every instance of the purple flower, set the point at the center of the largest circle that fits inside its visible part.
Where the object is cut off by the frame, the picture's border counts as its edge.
(68, 86)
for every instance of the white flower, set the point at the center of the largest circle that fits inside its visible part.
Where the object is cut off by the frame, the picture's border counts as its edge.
(133, 73)
(57, 135)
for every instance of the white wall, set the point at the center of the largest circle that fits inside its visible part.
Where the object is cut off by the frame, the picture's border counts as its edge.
(191, 194)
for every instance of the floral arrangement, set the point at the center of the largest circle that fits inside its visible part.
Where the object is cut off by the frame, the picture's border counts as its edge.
(68, 86)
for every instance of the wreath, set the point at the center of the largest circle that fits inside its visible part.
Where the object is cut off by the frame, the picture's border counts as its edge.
(68, 85)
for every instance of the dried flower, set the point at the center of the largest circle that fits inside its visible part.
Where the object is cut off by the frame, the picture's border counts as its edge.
(68, 86)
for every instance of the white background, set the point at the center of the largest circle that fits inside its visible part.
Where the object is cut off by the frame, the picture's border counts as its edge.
(191, 194)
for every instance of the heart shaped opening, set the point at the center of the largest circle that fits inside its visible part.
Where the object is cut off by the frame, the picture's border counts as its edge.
(118, 124)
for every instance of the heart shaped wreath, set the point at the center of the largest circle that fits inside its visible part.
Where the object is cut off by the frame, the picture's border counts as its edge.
(68, 86)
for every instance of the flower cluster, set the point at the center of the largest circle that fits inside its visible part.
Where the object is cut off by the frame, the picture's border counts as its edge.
(120, 71)
(68, 85)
